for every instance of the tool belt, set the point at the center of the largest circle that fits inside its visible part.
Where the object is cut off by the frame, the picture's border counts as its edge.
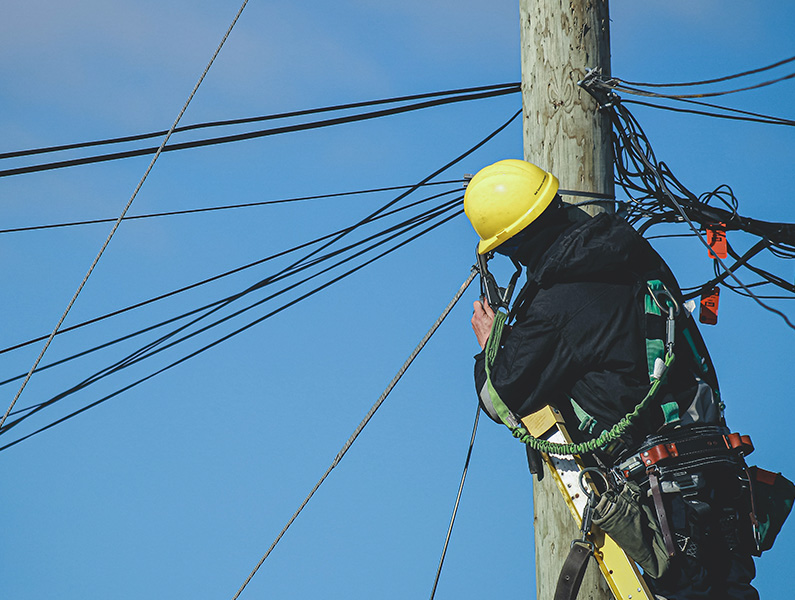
(671, 463)
(685, 449)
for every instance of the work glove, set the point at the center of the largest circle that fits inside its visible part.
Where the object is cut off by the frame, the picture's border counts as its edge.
(535, 462)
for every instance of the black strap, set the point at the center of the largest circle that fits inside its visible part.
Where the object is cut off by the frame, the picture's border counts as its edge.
(573, 570)
(659, 507)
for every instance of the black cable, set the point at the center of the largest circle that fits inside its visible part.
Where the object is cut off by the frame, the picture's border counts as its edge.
(151, 349)
(138, 356)
(761, 119)
(770, 278)
(247, 120)
(148, 350)
(400, 197)
(212, 279)
(370, 217)
(641, 92)
(662, 195)
(256, 134)
(708, 81)
(457, 501)
(226, 207)
(226, 337)
(721, 277)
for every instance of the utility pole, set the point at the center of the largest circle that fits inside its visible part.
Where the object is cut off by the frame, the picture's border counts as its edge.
(564, 134)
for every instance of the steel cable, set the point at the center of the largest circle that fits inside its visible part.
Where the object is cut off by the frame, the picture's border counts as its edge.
(360, 427)
(124, 211)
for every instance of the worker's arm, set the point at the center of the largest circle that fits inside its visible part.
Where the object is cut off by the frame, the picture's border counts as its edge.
(529, 365)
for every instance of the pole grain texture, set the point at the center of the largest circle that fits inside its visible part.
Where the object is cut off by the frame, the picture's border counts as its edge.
(565, 134)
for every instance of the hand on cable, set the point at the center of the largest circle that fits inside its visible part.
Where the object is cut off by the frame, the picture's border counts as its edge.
(482, 318)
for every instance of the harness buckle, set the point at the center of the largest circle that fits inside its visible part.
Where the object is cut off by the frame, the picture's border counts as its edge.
(666, 295)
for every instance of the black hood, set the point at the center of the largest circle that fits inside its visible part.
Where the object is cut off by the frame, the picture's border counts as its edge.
(596, 249)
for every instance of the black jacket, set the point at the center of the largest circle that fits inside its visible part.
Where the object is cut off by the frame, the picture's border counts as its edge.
(580, 332)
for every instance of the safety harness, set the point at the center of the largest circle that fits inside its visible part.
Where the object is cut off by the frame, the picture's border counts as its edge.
(695, 447)
(660, 356)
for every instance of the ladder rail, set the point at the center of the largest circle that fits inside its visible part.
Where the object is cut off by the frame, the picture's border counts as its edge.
(621, 573)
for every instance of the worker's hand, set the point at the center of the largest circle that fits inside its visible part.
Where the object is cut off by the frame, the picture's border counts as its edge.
(482, 318)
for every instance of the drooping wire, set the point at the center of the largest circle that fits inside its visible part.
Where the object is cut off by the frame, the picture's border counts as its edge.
(455, 506)
(641, 92)
(361, 427)
(137, 355)
(226, 337)
(152, 349)
(158, 152)
(213, 279)
(370, 217)
(257, 134)
(191, 211)
(288, 304)
(149, 349)
(259, 119)
(752, 118)
(708, 81)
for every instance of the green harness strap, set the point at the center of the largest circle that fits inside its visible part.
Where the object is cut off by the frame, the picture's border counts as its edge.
(655, 348)
(518, 430)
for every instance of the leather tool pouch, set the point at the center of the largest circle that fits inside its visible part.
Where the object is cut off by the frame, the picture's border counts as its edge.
(622, 515)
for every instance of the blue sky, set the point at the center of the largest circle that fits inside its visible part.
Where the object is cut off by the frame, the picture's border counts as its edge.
(177, 487)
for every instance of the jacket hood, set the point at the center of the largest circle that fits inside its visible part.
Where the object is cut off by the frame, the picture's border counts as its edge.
(602, 246)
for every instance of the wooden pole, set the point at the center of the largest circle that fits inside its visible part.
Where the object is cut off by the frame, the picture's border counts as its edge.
(564, 134)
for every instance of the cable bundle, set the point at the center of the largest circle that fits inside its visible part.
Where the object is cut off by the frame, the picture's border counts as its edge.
(657, 196)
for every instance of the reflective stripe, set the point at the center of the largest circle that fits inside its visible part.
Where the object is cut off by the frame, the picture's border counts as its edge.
(487, 404)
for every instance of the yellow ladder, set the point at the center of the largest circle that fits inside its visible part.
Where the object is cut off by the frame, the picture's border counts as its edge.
(620, 572)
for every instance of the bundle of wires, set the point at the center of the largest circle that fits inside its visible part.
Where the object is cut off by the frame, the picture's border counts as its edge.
(656, 196)
(325, 261)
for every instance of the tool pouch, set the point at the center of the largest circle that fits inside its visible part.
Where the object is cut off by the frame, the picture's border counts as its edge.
(631, 524)
(773, 495)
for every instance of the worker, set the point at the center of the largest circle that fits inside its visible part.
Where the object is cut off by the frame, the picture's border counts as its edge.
(579, 337)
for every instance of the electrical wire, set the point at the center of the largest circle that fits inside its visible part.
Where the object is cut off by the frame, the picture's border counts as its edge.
(770, 120)
(149, 349)
(191, 211)
(152, 349)
(457, 501)
(300, 261)
(656, 195)
(361, 427)
(224, 338)
(709, 81)
(138, 353)
(641, 92)
(375, 213)
(255, 134)
(210, 280)
(124, 211)
(247, 120)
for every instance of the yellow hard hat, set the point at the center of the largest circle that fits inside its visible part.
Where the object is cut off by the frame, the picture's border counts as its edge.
(504, 198)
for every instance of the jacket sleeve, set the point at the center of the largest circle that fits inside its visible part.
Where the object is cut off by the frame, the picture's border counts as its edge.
(529, 370)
